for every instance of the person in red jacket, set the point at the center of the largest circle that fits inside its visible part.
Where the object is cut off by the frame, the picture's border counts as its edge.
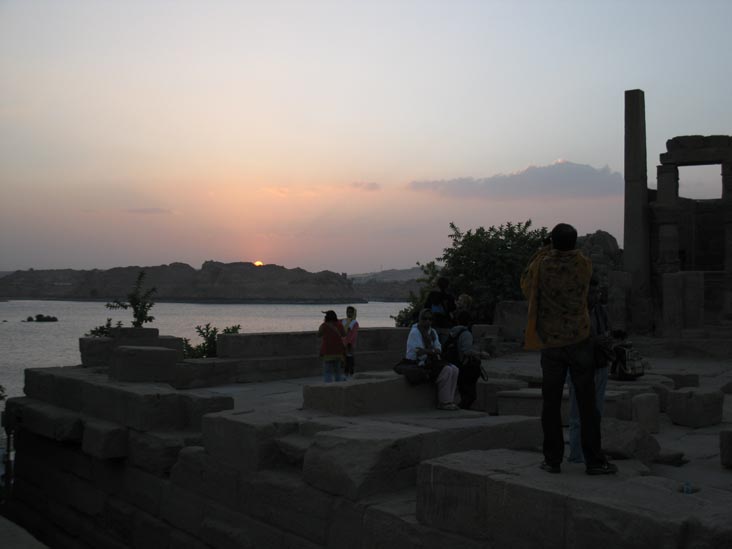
(332, 349)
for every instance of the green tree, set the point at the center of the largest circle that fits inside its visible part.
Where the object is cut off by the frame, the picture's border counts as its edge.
(483, 263)
(139, 301)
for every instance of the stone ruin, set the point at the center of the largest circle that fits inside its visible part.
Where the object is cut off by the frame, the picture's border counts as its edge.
(677, 251)
(139, 448)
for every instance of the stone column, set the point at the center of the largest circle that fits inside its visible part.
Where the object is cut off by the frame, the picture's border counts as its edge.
(636, 246)
(727, 181)
(667, 178)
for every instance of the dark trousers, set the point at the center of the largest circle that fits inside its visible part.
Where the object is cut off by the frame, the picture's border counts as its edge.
(350, 365)
(578, 358)
(467, 380)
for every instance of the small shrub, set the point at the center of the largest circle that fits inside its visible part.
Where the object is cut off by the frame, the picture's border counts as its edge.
(139, 301)
(207, 349)
(105, 330)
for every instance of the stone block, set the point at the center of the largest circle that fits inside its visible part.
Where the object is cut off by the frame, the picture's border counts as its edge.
(104, 440)
(197, 472)
(65, 517)
(149, 532)
(157, 451)
(646, 411)
(119, 518)
(197, 403)
(245, 440)
(282, 499)
(683, 379)
(143, 490)
(479, 432)
(182, 509)
(172, 342)
(695, 407)
(492, 496)
(136, 364)
(81, 494)
(487, 392)
(528, 402)
(95, 351)
(43, 419)
(727, 388)
(511, 317)
(204, 372)
(364, 459)
(223, 527)
(181, 540)
(357, 397)
(393, 523)
(628, 440)
(59, 386)
(142, 407)
(725, 448)
(142, 337)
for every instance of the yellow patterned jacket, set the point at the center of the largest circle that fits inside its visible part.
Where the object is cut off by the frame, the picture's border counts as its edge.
(555, 284)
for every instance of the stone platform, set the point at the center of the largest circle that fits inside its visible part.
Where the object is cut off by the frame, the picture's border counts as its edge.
(366, 463)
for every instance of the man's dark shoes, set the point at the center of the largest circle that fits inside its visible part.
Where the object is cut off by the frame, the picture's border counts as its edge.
(550, 467)
(602, 469)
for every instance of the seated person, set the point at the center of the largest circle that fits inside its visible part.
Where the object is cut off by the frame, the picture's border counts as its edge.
(423, 348)
(467, 358)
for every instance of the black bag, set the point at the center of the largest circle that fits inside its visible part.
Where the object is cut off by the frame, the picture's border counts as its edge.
(412, 371)
(450, 349)
(628, 364)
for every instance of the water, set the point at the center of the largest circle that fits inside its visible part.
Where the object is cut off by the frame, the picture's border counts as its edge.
(42, 344)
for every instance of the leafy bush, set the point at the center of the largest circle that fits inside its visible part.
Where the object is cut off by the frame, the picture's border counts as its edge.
(485, 264)
(105, 330)
(207, 349)
(140, 302)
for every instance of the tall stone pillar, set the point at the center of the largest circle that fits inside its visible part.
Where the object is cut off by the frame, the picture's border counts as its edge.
(636, 252)
(667, 177)
(727, 200)
(727, 181)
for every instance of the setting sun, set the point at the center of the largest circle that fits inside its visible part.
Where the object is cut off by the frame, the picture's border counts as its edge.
(258, 263)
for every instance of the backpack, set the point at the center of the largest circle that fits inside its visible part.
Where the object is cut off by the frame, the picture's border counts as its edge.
(450, 351)
(628, 364)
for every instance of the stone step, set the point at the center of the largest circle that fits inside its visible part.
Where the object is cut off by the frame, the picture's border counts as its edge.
(371, 395)
(493, 495)
(528, 402)
(294, 446)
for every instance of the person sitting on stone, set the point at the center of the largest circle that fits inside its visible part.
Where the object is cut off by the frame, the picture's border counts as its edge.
(424, 348)
(468, 359)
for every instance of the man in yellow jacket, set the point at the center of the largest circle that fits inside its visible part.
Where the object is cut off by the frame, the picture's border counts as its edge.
(556, 283)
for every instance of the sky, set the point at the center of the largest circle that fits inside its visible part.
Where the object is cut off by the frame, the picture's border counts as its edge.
(339, 135)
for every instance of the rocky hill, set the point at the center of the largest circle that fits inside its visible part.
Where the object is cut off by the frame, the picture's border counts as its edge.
(214, 282)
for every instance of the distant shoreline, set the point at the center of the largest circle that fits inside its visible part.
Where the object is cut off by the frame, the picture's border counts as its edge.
(265, 301)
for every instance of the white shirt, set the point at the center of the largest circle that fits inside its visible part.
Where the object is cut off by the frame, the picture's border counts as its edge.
(415, 341)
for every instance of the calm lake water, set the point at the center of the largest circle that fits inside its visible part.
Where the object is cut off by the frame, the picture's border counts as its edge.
(41, 344)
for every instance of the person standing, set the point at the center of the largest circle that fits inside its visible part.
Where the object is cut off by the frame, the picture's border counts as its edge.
(601, 339)
(332, 350)
(556, 283)
(442, 305)
(350, 325)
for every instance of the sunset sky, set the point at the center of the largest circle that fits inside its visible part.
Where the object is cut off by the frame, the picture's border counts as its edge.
(340, 135)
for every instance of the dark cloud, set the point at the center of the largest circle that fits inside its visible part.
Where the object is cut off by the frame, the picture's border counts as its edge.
(149, 211)
(561, 179)
(366, 186)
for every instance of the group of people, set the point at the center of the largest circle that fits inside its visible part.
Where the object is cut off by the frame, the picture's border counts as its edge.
(565, 322)
(337, 345)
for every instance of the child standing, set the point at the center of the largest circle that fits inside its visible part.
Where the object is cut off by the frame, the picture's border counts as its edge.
(350, 325)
